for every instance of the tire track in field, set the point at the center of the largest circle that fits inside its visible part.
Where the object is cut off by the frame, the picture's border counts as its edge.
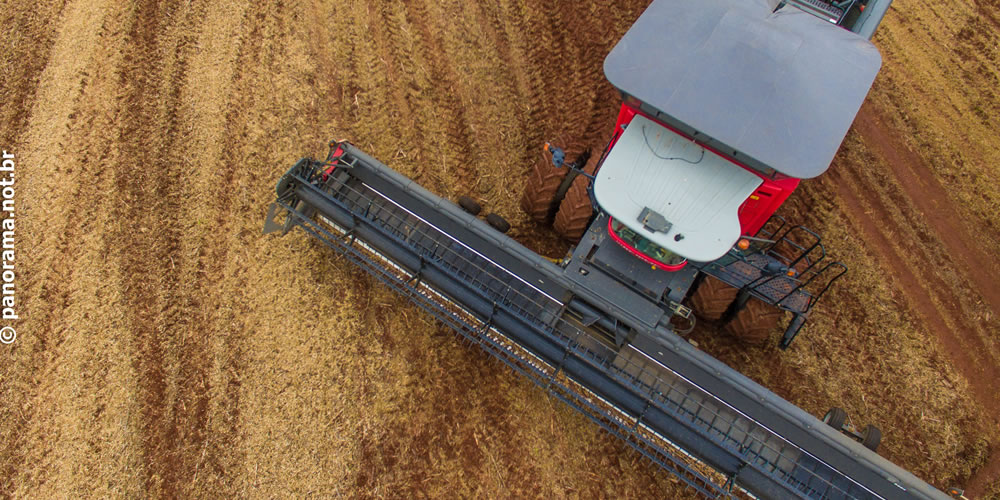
(570, 95)
(251, 102)
(23, 69)
(873, 221)
(230, 105)
(584, 82)
(528, 49)
(398, 44)
(545, 50)
(297, 420)
(147, 181)
(967, 359)
(476, 53)
(360, 71)
(934, 208)
(188, 344)
(988, 9)
(19, 83)
(60, 135)
(332, 51)
(460, 147)
(968, 352)
(206, 104)
(58, 124)
(946, 55)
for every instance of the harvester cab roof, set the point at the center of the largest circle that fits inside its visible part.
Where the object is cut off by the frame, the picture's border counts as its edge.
(728, 94)
(775, 90)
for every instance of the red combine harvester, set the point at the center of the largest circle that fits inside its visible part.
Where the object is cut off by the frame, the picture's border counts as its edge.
(712, 138)
(727, 105)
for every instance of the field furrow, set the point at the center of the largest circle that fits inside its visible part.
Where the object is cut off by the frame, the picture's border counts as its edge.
(167, 349)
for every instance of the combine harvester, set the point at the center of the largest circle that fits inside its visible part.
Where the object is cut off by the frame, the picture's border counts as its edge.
(727, 104)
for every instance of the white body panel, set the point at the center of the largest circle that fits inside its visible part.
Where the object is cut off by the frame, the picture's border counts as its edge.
(696, 190)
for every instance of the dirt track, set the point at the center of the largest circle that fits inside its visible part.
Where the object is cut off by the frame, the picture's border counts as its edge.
(166, 348)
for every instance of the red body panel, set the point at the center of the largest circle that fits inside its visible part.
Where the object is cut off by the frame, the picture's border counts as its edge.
(756, 209)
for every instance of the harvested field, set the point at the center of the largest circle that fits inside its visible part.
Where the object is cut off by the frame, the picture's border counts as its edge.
(166, 348)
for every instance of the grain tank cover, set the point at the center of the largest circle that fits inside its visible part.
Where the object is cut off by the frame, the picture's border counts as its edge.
(696, 192)
(774, 90)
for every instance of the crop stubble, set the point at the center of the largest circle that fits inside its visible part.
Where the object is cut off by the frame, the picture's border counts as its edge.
(168, 349)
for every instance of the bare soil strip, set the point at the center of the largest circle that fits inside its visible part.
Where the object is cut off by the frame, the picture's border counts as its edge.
(959, 235)
(971, 356)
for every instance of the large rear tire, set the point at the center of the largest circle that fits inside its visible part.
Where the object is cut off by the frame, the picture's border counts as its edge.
(575, 211)
(712, 298)
(754, 323)
(540, 193)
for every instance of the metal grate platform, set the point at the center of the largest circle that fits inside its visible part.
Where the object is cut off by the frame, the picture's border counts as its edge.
(783, 291)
